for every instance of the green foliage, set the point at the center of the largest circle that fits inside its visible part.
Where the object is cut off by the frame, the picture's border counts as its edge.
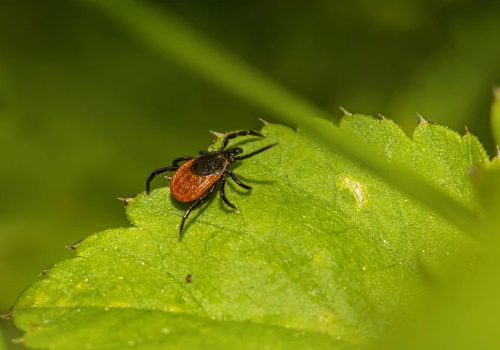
(86, 111)
(2, 341)
(495, 115)
(322, 254)
(373, 252)
(175, 40)
(461, 313)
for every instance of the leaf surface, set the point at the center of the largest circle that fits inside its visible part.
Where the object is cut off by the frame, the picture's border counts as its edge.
(322, 254)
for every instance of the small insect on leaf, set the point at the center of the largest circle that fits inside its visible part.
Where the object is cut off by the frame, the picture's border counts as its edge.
(198, 177)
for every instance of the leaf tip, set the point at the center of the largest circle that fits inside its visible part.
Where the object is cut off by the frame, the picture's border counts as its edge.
(265, 122)
(7, 316)
(382, 117)
(345, 112)
(467, 131)
(422, 120)
(44, 272)
(74, 245)
(127, 200)
(216, 134)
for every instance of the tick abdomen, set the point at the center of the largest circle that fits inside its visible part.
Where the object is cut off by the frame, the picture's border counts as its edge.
(196, 176)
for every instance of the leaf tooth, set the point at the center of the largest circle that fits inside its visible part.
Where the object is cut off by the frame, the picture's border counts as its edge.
(44, 272)
(345, 112)
(74, 245)
(127, 200)
(265, 122)
(217, 134)
(6, 316)
(423, 120)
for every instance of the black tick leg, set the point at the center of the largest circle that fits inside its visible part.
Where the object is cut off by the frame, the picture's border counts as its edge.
(236, 134)
(255, 152)
(194, 205)
(176, 161)
(238, 182)
(156, 172)
(175, 166)
(223, 193)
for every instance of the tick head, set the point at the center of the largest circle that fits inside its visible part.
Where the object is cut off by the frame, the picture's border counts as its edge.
(231, 153)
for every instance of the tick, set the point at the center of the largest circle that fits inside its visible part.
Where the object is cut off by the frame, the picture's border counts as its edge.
(196, 179)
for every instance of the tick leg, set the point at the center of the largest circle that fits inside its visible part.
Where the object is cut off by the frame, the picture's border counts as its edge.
(176, 161)
(223, 194)
(255, 152)
(194, 205)
(156, 172)
(236, 134)
(238, 182)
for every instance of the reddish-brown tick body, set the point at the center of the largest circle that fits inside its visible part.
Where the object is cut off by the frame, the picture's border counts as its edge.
(198, 177)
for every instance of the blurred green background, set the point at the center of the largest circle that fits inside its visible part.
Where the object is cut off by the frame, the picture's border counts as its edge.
(86, 112)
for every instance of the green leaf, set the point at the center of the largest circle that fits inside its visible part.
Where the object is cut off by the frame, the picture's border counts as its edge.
(322, 254)
(171, 38)
(462, 312)
(495, 115)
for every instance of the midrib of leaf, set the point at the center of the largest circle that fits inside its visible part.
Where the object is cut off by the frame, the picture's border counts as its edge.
(172, 39)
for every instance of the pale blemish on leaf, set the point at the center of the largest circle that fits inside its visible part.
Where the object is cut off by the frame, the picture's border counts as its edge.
(357, 189)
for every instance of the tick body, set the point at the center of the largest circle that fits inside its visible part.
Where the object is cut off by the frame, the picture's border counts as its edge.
(197, 175)
(196, 179)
